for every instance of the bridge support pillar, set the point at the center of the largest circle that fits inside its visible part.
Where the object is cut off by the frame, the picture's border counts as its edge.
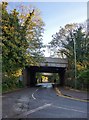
(29, 77)
(25, 76)
(32, 78)
(62, 77)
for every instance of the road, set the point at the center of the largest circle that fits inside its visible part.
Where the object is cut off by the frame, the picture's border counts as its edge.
(41, 102)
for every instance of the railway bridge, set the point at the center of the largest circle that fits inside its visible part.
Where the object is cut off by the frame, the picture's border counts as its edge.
(49, 65)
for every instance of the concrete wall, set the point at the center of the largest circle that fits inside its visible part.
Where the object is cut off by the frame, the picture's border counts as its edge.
(54, 62)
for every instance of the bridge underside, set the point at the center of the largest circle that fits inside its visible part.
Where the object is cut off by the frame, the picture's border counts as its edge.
(30, 74)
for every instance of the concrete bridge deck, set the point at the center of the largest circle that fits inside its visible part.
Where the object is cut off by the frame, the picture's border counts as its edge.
(55, 62)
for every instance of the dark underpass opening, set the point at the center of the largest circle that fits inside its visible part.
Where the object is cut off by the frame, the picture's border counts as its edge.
(31, 72)
(47, 80)
(42, 77)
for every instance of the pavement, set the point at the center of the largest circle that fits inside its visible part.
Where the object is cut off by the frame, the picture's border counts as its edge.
(72, 93)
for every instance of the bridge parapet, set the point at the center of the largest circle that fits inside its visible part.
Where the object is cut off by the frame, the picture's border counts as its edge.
(54, 62)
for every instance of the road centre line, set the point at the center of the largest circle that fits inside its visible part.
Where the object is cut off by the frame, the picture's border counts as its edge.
(25, 114)
(36, 89)
(65, 108)
(33, 94)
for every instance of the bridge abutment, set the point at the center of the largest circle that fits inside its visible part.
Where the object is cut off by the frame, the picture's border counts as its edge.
(29, 79)
(62, 77)
(32, 78)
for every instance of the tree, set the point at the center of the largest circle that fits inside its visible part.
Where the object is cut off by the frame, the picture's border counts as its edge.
(34, 33)
(20, 46)
(63, 41)
(21, 42)
(14, 43)
(59, 39)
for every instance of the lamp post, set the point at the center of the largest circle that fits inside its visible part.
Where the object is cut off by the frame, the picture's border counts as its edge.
(75, 60)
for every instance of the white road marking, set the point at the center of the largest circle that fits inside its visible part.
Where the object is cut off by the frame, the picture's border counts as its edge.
(33, 94)
(25, 114)
(36, 89)
(69, 109)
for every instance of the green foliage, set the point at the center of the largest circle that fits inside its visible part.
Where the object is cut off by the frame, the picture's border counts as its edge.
(11, 83)
(14, 43)
(20, 46)
(21, 42)
(53, 77)
(83, 77)
(63, 43)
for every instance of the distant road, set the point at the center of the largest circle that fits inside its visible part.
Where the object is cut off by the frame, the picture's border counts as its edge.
(41, 102)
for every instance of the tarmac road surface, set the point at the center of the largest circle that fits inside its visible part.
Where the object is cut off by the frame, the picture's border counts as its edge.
(41, 102)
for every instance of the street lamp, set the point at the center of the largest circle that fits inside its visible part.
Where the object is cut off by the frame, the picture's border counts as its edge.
(75, 60)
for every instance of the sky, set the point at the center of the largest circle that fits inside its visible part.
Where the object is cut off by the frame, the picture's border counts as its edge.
(56, 14)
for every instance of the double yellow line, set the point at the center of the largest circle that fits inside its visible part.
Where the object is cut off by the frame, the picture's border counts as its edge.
(60, 94)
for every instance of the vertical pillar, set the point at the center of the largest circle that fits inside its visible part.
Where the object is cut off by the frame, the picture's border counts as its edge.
(29, 76)
(32, 78)
(25, 76)
(62, 77)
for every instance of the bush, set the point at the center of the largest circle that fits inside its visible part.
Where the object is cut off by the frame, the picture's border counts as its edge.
(83, 78)
(10, 83)
(82, 81)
